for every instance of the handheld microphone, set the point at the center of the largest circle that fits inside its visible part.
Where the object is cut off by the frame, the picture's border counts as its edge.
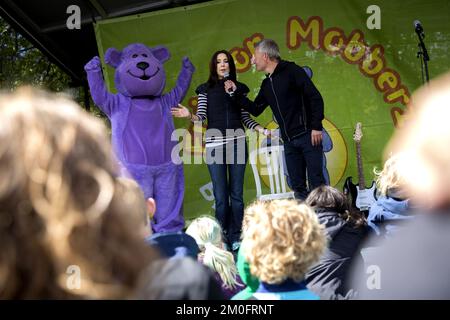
(418, 27)
(226, 77)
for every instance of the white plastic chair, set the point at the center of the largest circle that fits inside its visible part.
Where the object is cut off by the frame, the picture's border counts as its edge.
(271, 164)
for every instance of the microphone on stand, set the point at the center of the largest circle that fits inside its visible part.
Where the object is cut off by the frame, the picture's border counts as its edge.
(423, 53)
(419, 29)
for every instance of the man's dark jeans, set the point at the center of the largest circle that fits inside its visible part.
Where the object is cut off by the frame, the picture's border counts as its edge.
(302, 157)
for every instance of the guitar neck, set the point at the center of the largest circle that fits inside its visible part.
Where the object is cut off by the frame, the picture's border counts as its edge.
(361, 180)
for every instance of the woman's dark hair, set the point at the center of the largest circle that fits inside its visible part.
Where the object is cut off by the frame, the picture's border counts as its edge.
(213, 76)
(329, 198)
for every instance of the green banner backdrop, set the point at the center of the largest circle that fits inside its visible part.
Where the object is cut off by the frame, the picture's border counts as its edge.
(365, 75)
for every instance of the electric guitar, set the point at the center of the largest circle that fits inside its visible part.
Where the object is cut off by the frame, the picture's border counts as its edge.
(361, 197)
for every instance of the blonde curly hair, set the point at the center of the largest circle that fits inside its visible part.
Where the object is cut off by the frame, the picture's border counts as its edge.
(282, 240)
(60, 204)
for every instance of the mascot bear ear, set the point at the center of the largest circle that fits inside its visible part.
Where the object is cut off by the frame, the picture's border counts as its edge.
(113, 57)
(161, 53)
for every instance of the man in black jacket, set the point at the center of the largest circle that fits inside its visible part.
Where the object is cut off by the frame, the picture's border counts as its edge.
(298, 108)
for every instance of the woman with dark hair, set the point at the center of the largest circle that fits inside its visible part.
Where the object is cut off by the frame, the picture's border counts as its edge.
(345, 230)
(226, 148)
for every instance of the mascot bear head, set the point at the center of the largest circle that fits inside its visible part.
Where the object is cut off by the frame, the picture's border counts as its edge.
(139, 69)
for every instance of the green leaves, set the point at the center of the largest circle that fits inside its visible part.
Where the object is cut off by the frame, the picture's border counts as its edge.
(21, 63)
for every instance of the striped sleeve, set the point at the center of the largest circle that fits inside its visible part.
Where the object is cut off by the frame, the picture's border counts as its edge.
(247, 120)
(202, 103)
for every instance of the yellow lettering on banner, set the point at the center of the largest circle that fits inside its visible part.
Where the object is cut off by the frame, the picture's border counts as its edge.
(374, 61)
(387, 80)
(333, 41)
(398, 116)
(241, 59)
(249, 43)
(242, 56)
(401, 95)
(329, 45)
(297, 31)
(355, 48)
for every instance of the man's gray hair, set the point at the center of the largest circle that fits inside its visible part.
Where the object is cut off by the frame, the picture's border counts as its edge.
(270, 47)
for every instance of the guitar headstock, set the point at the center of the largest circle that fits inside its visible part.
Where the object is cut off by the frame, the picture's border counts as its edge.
(358, 132)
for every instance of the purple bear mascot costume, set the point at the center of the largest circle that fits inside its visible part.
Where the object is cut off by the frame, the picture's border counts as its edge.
(142, 124)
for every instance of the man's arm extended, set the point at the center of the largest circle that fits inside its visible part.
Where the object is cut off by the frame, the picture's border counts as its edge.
(254, 107)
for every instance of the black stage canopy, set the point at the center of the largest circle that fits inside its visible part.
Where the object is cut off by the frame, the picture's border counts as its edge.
(43, 23)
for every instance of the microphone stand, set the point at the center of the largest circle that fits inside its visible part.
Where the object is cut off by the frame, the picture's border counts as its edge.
(422, 54)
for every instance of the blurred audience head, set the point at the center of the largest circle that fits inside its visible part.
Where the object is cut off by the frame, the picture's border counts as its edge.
(422, 145)
(61, 206)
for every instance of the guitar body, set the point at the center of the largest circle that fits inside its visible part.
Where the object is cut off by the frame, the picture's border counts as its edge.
(351, 191)
(366, 198)
(360, 199)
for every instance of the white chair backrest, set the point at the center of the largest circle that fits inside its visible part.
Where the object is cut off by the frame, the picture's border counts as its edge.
(270, 160)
